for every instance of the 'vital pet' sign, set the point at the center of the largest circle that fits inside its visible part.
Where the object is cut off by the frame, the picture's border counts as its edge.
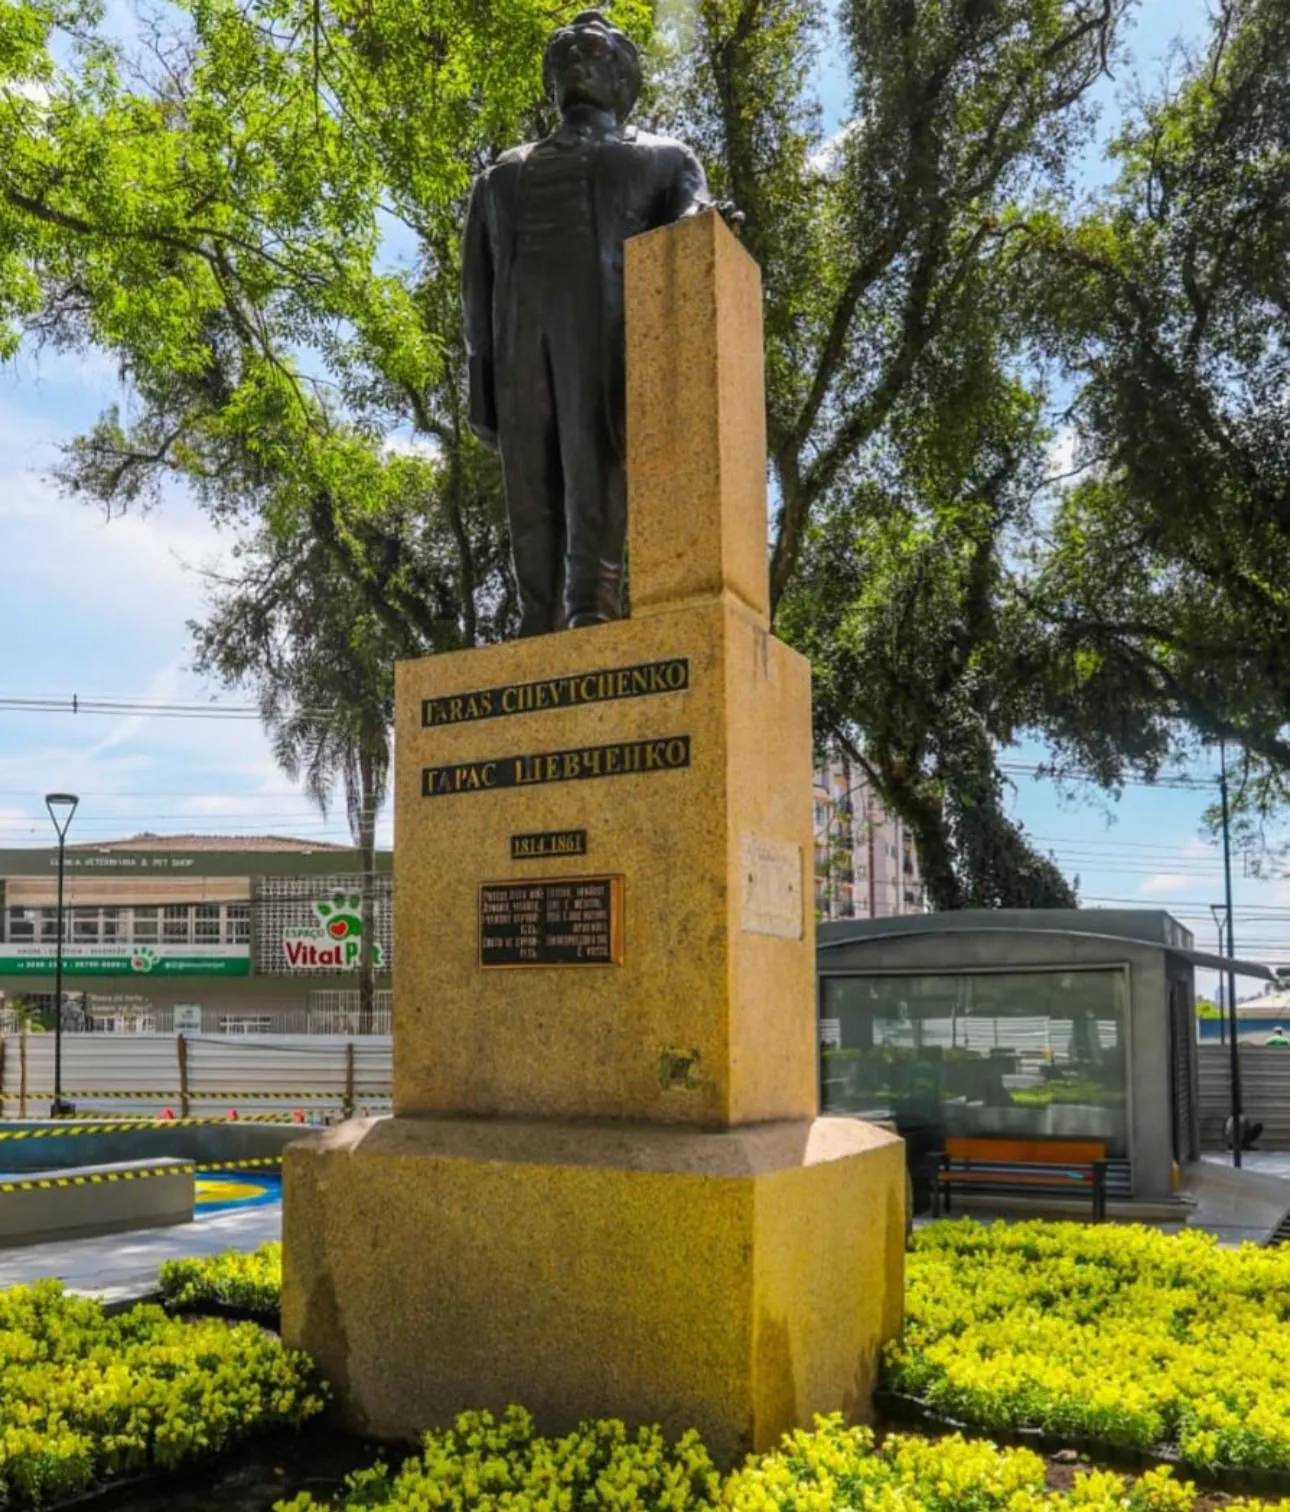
(334, 943)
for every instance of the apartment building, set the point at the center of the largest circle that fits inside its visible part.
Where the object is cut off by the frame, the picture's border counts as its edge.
(866, 866)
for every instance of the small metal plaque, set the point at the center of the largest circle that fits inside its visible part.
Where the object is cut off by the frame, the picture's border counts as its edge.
(543, 844)
(569, 921)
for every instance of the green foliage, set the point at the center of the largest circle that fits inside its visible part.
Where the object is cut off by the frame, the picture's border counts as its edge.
(233, 1278)
(214, 207)
(1168, 306)
(254, 209)
(1206, 1008)
(86, 1398)
(1117, 1333)
(482, 1464)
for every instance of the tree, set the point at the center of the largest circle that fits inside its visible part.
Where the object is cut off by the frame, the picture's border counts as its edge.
(300, 634)
(1168, 307)
(212, 214)
(903, 604)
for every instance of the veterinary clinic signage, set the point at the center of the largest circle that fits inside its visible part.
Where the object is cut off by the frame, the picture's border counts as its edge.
(18, 959)
(333, 942)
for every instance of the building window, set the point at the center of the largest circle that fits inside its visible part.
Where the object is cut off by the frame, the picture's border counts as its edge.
(143, 926)
(206, 924)
(49, 924)
(175, 924)
(239, 923)
(1016, 1054)
(22, 924)
(85, 925)
(112, 924)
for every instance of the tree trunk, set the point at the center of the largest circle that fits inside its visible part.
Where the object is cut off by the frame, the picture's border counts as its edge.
(367, 908)
(925, 817)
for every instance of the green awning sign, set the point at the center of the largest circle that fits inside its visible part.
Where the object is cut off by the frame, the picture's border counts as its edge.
(126, 960)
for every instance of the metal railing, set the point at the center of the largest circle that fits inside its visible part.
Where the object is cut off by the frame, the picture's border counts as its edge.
(248, 1018)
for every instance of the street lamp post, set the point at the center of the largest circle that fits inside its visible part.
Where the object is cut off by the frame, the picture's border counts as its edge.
(61, 807)
(1233, 1047)
(1220, 917)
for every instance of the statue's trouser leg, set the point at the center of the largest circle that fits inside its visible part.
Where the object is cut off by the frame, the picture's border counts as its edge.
(534, 489)
(595, 479)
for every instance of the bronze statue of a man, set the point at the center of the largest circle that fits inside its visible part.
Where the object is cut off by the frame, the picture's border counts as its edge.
(542, 286)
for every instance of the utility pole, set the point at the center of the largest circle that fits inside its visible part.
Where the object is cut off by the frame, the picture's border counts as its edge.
(1233, 1050)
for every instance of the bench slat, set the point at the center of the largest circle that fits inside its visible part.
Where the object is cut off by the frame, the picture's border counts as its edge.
(1025, 1151)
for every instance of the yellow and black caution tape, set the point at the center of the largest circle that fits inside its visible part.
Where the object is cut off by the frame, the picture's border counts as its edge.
(92, 1178)
(259, 1163)
(57, 1130)
(200, 1094)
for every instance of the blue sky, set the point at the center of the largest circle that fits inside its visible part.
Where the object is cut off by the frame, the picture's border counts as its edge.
(97, 608)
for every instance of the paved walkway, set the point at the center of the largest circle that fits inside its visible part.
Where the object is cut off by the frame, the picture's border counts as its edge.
(117, 1267)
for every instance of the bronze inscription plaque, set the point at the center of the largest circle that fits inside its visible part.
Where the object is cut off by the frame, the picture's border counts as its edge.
(570, 921)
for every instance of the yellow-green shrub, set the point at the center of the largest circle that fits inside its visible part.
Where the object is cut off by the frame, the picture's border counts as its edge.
(233, 1278)
(86, 1398)
(1114, 1332)
(482, 1465)
(482, 1462)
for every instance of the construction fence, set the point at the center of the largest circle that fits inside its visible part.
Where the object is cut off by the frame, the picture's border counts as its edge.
(139, 1075)
(1265, 1093)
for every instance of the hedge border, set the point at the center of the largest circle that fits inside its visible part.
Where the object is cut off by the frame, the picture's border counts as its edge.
(899, 1407)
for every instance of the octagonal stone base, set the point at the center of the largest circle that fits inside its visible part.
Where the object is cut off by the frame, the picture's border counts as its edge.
(735, 1282)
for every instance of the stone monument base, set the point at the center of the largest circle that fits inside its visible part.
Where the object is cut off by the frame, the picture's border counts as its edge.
(735, 1282)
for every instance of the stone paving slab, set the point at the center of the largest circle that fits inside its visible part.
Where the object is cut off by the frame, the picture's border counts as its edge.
(121, 1267)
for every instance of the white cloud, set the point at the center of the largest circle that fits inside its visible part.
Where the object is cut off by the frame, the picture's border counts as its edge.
(1061, 451)
(100, 608)
(825, 159)
(1163, 882)
(400, 444)
(35, 90)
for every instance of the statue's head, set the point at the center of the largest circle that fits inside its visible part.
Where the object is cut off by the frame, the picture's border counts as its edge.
(591, 62)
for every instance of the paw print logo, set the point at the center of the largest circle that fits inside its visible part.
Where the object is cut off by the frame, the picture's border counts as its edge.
(144, 958)
(340, 916)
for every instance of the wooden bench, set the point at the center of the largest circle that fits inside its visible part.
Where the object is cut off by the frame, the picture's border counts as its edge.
(1047, 1167)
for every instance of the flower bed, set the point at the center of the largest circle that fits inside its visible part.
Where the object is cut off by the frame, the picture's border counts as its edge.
(483, 1464)
(86, 1398)
(1112, 1333)
(235, 1280)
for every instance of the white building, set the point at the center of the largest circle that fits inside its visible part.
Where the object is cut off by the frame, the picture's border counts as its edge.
(865, 863)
